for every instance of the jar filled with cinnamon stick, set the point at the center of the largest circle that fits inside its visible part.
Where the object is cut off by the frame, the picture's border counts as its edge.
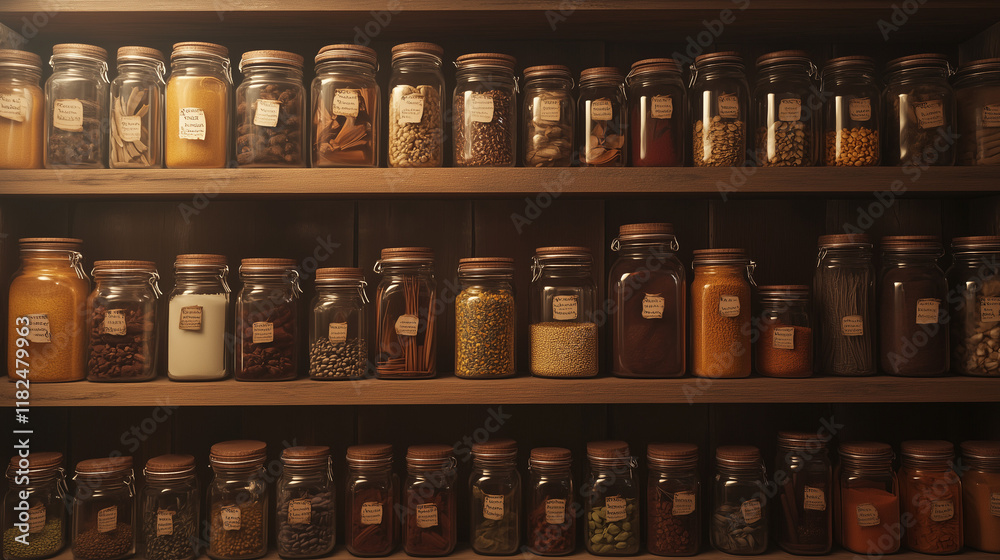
(429, 500)
(345, 109)
(137, 109)
(804, 500)
(372, 495)
(405, 326)
(270, 111)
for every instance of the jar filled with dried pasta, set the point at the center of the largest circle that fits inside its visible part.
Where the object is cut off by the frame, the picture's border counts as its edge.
(485, 319)
(345, 108)
(76, 112)
(338, 325)
(549, 113)
(21, 108)
(656, 105)
(484, 110)
(720, 313)
(974, 277)
(237, 501)
(198, 106)
(122, 321)
(787, 115)
(853, 112)
(977, 96)
(416, 106)
(603, 117)
(34, 508)
(267, 333)
(930, 496)
(563, 330)
(104, 509)
(719, 97)
(920, 111)
(844, 296)
(271, 111)
(137, 109)
(405, 333)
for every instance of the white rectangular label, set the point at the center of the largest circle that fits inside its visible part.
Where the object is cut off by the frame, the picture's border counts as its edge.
(729, 306)
(652, 306)
(371, 513)
(411, 108)
(616, 508)
(164, 523)
(989, 308)
(860, 109)
(661, 107)
(114, 322)
(267, 113)
(67, 114)
(852, 325)
(565, 308)
(407, 325)
(751, 511)
(942, 510)
(683, 503)
(192, 124)
(601, 110)
(867, 515)
(39, 329)
(299, 512)
(427, 516)
(107, 519)
(927, 311)
(815, 499)
(231, 519)
(36, 519)
(480, 108)
(263, 332)
(991, 116)
(930, 114)
(729, 106)
(492, 507)
(190, 319)
(789, 110)
(555, 512)
(550, 110)
(130, 128)
(784, 338)
(346, 102)
(337, 332)
(13, 106)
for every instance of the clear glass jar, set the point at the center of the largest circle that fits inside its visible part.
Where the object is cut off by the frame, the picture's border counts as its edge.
(198, 319)
(485, 319)
(346, 114)
(22, 106)
(656, 131)
(611, 504)
(338, 325)
(920, 111)
(805, 493)
(137, 109)
(429, 498)
(550, 509)
(171, 508)
(977, 96)
(868, 514)
(198, 107)
(271, 111)
(104, 509)
(981, 494)
(237, 501)
(648, 290)
(405, 330)
(548, 113)
(266, 320)
(563, 327)
(844, 295)
(740, 510)
(122, 322)
(720, 313)
(306, 508)
(786, 125)
(930, 494)
(673, 496)
(853, 111)
(76, 112)
(784, 346)
(495, 491)
(719, 97)
(416, 106)
(34, 509)
(974, 276)
(603, 118)
(372, 495)
(484, 109)
(47, 312)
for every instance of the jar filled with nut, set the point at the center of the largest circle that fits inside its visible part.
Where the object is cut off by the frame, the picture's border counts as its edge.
(104, 509)
(563, 331)
(345, 107)
(739, 520)
(484, 110)
(266, 327)
(550, 508)
(306, 520)
(977, 94)
(603, 117)
(34, 510)
(485, 319)
(198, 107)
(920, 111)
(612, 505)
(673, 499)
(122, 321)
(237, 501)
(975, 313)
(338, 325)
(416, 106)
(786, 110)
(853, 112)
(719, 97)
(549, 113)
(656, 130)
(22, 106)
(171, 507)
(270, 110)
(137, 109)
(405, 328)
(76, 113)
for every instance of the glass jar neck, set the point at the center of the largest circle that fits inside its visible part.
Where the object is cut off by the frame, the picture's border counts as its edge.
(672, 470)
(324, 471)
(373, 469)
(621, 466)
(716, 71)
(20, 74)
(978, 78)
(151, 70)
(658, 249)
(345, 67)
(200, 278)
(654, 78)
(861, 255)
(162, 481)
(47, 259)
(396, 268)
(547, 83)
(487, 74)
(921, 73)
(270, 70)
(851, 75)
(556, 470)
(80, 65)
(742, 470)
(602, 82)
(924, 259)
(923, 464)
(416, 62)
(445, 468)
(499, 466)
(200, 66)
(237, 472)
(991, 465)
(789, 71)
(486, 277)
(862, 467)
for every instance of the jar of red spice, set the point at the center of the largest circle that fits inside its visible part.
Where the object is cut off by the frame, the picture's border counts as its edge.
(550, 506)
(784, 346)
(720, 313)
(673, 515)
(656, 98)
(868, 512)
(372, 491)
(430, 528)
(981, 495)
(931, 495)
(804, 497)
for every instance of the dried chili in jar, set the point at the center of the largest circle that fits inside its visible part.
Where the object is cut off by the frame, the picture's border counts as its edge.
(430, 502)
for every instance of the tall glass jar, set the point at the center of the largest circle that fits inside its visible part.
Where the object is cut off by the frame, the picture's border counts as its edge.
(611, 500)
(656, 131)
(844, 294)
(495, 491)
(22, 106)
(784, 346)
(198, 107)
(271, 121)
(719, 97)
(406, 346)
(673, 497)
(977, 96)
(137, 109)
(550, 509)
(430, 501)
(237, 501)
(34, 512)
(267, 333)
(338, 325)
(786, 124)
(739, 517)
(305, 512)
(603, 118)
(485, 319)
(981, 494)
(563, 327)
(416, 106)
(853, 111)
(868, 515)
(720, 313)
(548, 113)
(372, 496)
(171, 508)
(920, 111)
(484, 107)
(930, 494)
(198, 319)
(805, 496)
(975, 310)
(104, 509)
(648, 288)
(76, 107)
(346, 114)
(121, 315)
(47, 312)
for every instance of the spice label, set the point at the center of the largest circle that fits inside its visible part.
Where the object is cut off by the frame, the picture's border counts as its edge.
(67, 114)
(930, 114)
(411, 108)
(684, 503)
(652, 306)
(427, 516)
(13, 107)
(860, 109)
(927, 311)
(299, 512)
(751, 511)
(492, 507)
(550, 110)
(852, 325)
(192, 124)
(164, 523)
(263, 332)
(815, 499)
(107, 519)
(661, 107)
(565, 308)
(407, 325)
(729, 106)
(337, 332)
(480, 108)
(989, 308)
(267, 112)
(114, 322)
(790, 110)
(36, 519)
(129, 128)
(231, 519)
(867, 515)
(995, 504)
(555, 512)
(601, 110)
(942, 510)
(346, 102)
(38, 328)
(615, 507)
(991, 116)
(784, 338)
(729, 306)
(371, 513)
(190, 318)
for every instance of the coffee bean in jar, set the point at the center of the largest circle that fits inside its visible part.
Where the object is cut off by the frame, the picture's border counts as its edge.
(338, 344)
(237, 501)
(266, 330)
(416, 106)
(122, 321)
(345, 107)
(305, 510)
(484, 111)
(104, 509)
(270, 110)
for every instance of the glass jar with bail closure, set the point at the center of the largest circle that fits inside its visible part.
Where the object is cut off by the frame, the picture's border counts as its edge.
(977, 96)
(122, 321)
(198, 107)
(270, 122)
(719, 97)
(305, 509)
(171, 508)
(563, 330)
(974, 275)
(485, 110)
(739, 521)
(22, 110)
(657, 102)
(673, 500)
(787, 110)
(853, 112)
(137, 109)
(237, 501)
(76, 94)
(266, 320)
(346, 110)
(548, 117)
(784, 346)
(930, 497)
(611, 504)
(372, 524)
(485, 319)
(34, 510)
(550, 509)
(430, 501)
(720, 313)
(405, 337)
(416, 106)
(495, 526)
(338, 325)
(844, 296)
(602, 124)
(867, 512)
(920, 111)
(198, 319)
(805, 494)
(104, 509)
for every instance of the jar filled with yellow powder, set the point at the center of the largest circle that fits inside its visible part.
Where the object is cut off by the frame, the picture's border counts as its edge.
(198, 106)
(21, 105)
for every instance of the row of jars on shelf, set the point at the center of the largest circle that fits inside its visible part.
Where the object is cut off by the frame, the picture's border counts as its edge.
(138, 121)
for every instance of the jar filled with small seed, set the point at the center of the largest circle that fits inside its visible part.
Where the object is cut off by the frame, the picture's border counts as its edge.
(76, 113)
(930, 494)
(563, 329)
(121, 315)
(673, 496)
(38, 529)
(603, 117)
(844, 295)
(338, 325)
(974, 276)
(720, 313)
(485, 319)
(416, 106)
(738, 524)
(787, 111)
(22, 108)
(550, 508)
(784, 346)
(977, 96)
(346, 115)
(656, 105)
(305, 515)
(137, 109)
(171, 507)
(920, 111)
(485, 110)
(405, 327)
(266, 325)
(496, 498)
(719, 99)
(549, 114)
(237, 501)
(853, 112)
(199, 107)
(104, 509)
(612, 506)
(271, 111)
(430, 497)
(372, 497)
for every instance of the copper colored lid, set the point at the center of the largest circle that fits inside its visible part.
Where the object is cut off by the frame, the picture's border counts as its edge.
(405, 49)
(981, 449)
(800, 439)
(266, 264)
(737, 454)
(200, 260)
(140, 53)
(724, 255)
(238, 451)
(549, 70)
(306, 455)
(731, 57)
(140, 266)
(370, 452)
(485, 59)
(428, 452)
(551, 455)
(346, 273)
(917, 60)
(850, 61)
(780, 57)
(866, 450)
(80, 49)
(600, 72)
(976, 242)
(655, 65)
(106, 465)
(610, 449)
(408, 253)
(270, 57)
(844, 240)
(52, 243)
(21, 58)
(170, 464)
(347, 51)
(197, 48)
(500, 447)
(672, 453)
(646, 230)
(562, 250)
(41, 461)
(483, 264)
(910, 242)
(981, 65)
(927, 449)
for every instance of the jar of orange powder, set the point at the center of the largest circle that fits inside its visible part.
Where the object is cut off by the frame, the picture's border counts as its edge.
(784, 345)
(931, 497)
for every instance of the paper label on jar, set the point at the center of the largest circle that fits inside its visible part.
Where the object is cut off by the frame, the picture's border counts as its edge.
(190, 318)
(661, 107)
(231, 519)
(550, 110)
(615, 508)
(867, 515)
(107, 519)
(930, 114)
(652, 306)
(751, 511)
(729, 106)
(267, 113)
(346, 102)
(942, 510)
(407, 325)
(492, 507)
(927, 311)
(790, 110)
(164, 523)
(13, 106)
(814, 499)
(192, 124)
(114, 322)
(684, 503)
(989, 308)
(36, 519)
(263, 332)
(991, 116)
(38, 328)
(337, 332)
(565, 308)
(480, 108)
(555, 511)
(784, 338)
(130, 128)
(67, 114)
(371, 513)
(729, 306)
(411, 108)
(852, 325)
(427, 516)
(299, 512)
(995, 504)
(860, 109)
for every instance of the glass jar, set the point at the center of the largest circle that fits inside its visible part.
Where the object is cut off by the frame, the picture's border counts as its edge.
(720, 313)
(137, 109)
(416, 106)
(673, 515)
(338, 325)
(981, 495)
(844, 293)
(271, 111)
(76, 107)
(920, 111)
(784, 346)
(305, 514)
(975, 307)
(495, 489)
(21, 110)
(346, 115)
(656, 132)
(198, 106)
(237, 501)
(34, 512)
(266, 320)
(563, 327)
(603, 118)
(853, 111)
(868, 515)
(719, 97)
(47, 312)
(739, 519)
(549, 112)
(913, 325)
(648, 291)
(977, 95)
(122, 321)
(104, 509)
(551, 511)
(930, 493)
(786, 122)
(431, 515)
(805, 490)
(405, 329)
(198, 319)
(484, 110)
(171, 508)
(611, 500)
(485, 319)
(372, 496)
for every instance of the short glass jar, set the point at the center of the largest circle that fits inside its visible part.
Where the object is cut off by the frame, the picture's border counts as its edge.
(719, 97)
(673, 499)
(271, 111)
(22, 110)
(406, 345)
(104, 509)
(171, 508)
(484, 109)
(844, 295)
(563, 329)
(338, 325)
(603, 118)
(980, 495)
(485, 319)
(137, 110)
(868, 512)
(656, 130)
(975, 309)
(920, 111)
(266, 320)
(930, 495)
(550, 509)
(739, 522)
(805, 497)
(34, 509)
(612, 503)
(853, 112)
(720, 313)
(429, 497)
(977, 96)
(416, 106)
(121, 320)
(346, 114)
(372, 496)
(237, 501)
(549, 115)
(495, 491)
(198, 105)
(786, 122)
(198, 319)
(77, 107)
(306, 505)
(784, 345)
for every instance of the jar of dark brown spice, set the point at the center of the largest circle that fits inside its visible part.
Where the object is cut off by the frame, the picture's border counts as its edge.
(345, 108)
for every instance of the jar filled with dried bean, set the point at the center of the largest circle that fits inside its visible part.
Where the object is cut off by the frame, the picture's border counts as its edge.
(549, 114)
(372, 496)
(867, 517)
(429, 500)
(787, 119)
(416, 106)
(977, 95)
(603, 118)
(47, 312)
(853, 112)
(198, 319)
(338, 325)
(720, 313)
(805, 494)
(784, 345)
(550, 507)
(271, 111)
(22, 106)
(346, 113)
(77, 107)
(266, 325)
(122, 321)
(495, 489)
(739, 516)
(171, 508)
(405, 326)
(104, 509)
(930, 494)
(563, 331)
(34, 509)
(844, 294)
(981, 495)
(485, 110)
(656, 131)
(673, 518)
(137, 109)
(485, 319)
(612, 504)
(975, 311)
(920, 111)
(237, 501)
(719, 97)
(198, 107)
(305, 514)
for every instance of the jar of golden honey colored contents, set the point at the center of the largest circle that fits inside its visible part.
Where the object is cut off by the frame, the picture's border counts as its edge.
(930, 494)
(21, 110)
(199, 103)
(720, 313)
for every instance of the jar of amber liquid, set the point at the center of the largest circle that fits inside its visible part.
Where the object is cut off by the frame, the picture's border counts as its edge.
(930, 493)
